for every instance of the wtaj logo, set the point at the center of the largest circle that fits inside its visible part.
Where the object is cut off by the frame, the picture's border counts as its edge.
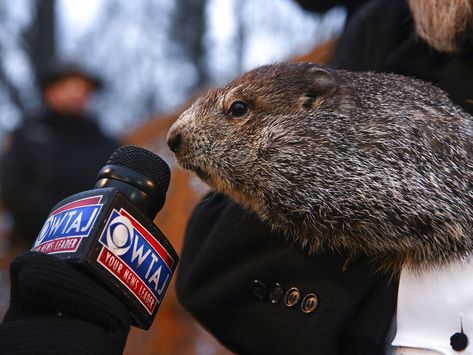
(66, 226)
(135, 258)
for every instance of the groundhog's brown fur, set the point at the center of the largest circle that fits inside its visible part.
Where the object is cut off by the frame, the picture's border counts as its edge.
(374, 163)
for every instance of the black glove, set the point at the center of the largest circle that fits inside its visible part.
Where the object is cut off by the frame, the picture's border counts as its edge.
(57, 309)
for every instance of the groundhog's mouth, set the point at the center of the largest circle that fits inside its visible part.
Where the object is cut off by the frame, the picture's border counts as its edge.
(201, 173)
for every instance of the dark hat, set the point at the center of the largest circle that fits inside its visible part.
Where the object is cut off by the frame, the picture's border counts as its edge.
(57, 70)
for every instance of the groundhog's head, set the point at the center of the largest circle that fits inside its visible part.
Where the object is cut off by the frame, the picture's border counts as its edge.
(377, 163)
(249, 133)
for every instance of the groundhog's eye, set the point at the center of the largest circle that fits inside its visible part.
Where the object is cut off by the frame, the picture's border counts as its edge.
(238, 109)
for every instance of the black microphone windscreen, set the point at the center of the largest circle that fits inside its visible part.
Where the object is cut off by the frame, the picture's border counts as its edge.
(144, 162)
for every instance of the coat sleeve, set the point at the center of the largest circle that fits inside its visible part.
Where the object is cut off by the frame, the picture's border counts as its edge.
(230, 264)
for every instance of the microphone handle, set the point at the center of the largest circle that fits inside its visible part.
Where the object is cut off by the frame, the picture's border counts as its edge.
(106, 235)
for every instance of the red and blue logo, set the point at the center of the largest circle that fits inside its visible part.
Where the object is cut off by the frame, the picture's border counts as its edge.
(66, 226)
(135, 258)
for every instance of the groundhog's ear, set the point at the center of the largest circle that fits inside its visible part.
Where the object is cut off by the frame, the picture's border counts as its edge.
(322, 83)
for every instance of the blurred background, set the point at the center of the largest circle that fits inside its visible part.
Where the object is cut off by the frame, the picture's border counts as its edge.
(152, 54)
(152, 57)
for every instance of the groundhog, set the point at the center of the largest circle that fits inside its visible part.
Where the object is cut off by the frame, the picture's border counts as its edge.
(376, 164)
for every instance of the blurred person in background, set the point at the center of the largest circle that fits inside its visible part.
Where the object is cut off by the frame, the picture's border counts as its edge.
(53, 155)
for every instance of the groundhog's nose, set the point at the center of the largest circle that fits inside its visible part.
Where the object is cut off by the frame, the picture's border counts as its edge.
(174, 141)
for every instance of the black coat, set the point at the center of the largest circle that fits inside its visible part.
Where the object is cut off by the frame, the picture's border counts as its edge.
(49, 159)
(230, 267)
(381, 38)
(231, 260)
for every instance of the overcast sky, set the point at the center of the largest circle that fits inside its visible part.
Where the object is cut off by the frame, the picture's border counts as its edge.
(76, 18)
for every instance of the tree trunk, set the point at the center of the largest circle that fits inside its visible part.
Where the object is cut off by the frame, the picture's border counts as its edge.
(40, 36)
(188, 30)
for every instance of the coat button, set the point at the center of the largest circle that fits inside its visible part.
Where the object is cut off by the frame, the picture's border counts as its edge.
(459, 341)
(309, 303)
(292, 297)
(276, 293)
(259, 290)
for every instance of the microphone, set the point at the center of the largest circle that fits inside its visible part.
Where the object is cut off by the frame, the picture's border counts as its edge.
(109, 233)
